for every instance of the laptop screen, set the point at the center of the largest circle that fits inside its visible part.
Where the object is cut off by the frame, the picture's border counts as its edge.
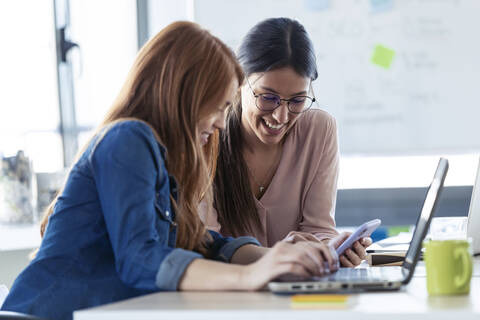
(473, 227)
(425, 217)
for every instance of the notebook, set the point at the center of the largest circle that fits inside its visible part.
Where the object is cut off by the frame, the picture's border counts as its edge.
(373, 278)
(3, 293)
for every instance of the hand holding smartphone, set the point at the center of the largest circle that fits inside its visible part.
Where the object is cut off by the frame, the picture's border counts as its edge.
(364, 230)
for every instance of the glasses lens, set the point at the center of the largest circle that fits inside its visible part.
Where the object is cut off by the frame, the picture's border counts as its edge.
(267, 101)
(299, 104)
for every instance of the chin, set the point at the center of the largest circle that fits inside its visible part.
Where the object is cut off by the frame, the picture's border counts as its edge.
(271, 140)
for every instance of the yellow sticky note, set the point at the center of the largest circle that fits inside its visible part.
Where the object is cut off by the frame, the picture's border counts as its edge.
(382, 56)
(318, 305)
(319, 301)
(319, 298)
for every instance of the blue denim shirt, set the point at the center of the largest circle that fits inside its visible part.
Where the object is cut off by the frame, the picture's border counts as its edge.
(112, 233)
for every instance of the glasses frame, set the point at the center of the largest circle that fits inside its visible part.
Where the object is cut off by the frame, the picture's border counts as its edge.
(256, 95)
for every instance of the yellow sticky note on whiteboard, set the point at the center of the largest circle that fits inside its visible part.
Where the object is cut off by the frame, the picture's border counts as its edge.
(382, 56)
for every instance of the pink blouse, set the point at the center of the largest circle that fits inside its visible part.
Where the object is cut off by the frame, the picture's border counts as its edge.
(302, 193)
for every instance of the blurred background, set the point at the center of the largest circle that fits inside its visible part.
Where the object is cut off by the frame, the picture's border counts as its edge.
(401, 77)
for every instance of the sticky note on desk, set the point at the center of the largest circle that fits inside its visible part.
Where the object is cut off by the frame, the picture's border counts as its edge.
(382, 56)
(319, 301)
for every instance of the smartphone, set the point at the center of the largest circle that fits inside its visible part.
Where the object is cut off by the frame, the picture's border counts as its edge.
(364, 230)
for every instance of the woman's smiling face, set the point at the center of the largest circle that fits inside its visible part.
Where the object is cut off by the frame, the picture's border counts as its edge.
(271, 126)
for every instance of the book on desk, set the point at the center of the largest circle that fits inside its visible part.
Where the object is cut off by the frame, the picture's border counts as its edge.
(389, 252)
(387, 258)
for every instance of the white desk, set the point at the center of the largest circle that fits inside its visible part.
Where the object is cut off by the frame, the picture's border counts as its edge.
(19, 236)
(16, 243)
(412, 302)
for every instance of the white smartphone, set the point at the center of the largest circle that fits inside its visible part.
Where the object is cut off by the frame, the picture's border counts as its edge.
(364, 230)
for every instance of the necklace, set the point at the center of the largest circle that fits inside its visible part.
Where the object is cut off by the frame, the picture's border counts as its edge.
(261, 188)
(268, 177)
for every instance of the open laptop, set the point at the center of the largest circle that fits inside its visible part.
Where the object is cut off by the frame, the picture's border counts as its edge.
(373, 278)
(473, 224)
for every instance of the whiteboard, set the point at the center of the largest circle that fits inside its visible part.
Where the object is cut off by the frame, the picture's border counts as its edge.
(401, 77)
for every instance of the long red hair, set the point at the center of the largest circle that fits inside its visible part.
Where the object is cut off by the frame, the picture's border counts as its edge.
(179, 77)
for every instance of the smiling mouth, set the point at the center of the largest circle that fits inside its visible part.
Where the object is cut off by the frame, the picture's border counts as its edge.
(273, 128)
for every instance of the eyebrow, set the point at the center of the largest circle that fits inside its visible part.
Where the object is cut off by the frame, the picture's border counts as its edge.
(272, 90)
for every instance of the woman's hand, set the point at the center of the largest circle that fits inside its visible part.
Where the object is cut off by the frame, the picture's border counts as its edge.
(352, 256)
(304, 258)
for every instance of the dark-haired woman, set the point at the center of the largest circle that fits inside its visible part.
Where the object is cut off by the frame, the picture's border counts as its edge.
(278, 163)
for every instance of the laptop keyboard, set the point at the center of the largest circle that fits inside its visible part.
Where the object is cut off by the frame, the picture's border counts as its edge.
(356, 274)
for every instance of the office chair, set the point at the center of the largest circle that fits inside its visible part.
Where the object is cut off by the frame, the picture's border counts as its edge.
(7, 315)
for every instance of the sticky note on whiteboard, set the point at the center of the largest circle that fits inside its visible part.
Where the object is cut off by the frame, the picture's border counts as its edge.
(382, 56)
(317, 5)
(377, 6)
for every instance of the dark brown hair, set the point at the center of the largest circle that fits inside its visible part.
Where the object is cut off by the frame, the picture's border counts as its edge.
(271, 44)
(179, 77)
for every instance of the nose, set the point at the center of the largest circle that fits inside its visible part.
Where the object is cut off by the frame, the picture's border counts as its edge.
(281, 113)
(219, 122)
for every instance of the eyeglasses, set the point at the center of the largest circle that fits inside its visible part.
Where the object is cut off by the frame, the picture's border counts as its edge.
(270, 102)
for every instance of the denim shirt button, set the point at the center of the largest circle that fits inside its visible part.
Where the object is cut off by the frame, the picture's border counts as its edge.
(167, 213)
(158, 194)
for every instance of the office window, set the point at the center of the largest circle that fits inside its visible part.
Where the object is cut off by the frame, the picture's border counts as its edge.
(29, 112)
(106, 32)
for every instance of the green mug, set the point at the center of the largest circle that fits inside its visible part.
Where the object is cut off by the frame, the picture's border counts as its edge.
(449, 266)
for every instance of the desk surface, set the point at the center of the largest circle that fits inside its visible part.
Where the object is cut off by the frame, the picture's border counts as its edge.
(412, 302)
(19, 236)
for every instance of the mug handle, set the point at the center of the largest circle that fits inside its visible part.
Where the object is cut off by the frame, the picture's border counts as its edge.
(462, 279)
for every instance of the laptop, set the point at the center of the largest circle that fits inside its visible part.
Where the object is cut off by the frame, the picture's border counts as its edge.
(373, 278)
(473, 223)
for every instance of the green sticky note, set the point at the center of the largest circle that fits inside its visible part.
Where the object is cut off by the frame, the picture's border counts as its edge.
(383, 56)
